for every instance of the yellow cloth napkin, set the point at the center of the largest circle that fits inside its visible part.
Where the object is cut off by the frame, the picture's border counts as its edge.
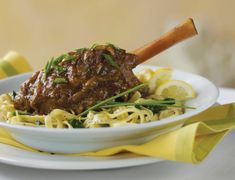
(12, 64)
(191, 143)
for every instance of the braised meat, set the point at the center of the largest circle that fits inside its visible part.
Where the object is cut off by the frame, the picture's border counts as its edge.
(77, 80)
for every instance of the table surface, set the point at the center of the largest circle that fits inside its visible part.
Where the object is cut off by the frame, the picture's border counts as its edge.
(220, 164)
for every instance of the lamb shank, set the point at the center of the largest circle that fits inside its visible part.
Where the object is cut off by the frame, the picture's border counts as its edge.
(77, 80)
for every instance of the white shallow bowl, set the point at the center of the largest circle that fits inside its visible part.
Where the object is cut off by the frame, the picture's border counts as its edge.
(82, 140)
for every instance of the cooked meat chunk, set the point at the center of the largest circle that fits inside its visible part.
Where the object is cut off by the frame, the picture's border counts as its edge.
(77, 80)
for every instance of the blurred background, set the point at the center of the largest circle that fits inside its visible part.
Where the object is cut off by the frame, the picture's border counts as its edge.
(40, 29)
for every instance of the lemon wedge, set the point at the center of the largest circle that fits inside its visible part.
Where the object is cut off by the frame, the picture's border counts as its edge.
(159, 77)
(145, 75)
(176, 89)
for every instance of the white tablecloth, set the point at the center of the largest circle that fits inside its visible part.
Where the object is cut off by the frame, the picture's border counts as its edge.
(219, 165)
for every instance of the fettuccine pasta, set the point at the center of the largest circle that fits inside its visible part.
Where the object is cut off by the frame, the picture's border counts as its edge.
(106, 117)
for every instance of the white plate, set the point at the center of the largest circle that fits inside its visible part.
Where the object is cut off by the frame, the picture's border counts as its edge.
(219, 165)
(83, 140)
(18, 157)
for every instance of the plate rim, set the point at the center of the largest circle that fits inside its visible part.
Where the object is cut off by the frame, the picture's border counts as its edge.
(125, 128)
(73, 165)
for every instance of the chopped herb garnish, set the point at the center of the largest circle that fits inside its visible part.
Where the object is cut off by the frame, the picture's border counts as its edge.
(60, 69)
(57, 60)
(113, 46)
(38, 122)
(69, 57)
(94, 46)
(60, 80)
(75, 123)
(14, 94)
(112, 98)
(48, 67)
(169, 101)
(105, 125)
(144, 104)
(155, 109)
(154, 105)
(81, 50)
(20, 113)
(110, 60)
(54, 64)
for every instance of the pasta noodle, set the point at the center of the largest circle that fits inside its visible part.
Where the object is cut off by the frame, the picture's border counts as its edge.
(111, 117)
